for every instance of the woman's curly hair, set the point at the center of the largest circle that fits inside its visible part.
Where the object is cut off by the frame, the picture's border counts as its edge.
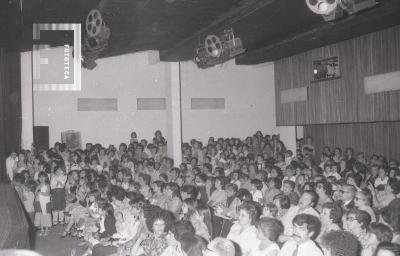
(160, 214)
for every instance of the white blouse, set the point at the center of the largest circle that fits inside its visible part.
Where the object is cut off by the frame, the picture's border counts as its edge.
(246, 239)
(272, 249)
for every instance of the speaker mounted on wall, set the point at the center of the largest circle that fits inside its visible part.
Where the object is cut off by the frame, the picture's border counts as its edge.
(72, 139)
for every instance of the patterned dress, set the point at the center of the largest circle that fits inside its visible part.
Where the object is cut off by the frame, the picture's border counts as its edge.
(154, 246)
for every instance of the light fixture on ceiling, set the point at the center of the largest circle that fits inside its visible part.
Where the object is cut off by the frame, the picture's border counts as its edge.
(334, 9)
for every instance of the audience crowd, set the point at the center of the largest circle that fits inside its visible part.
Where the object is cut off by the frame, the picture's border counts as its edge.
(228, 197)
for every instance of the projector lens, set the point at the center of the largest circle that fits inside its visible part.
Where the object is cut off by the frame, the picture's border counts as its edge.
(323, 7)
(215, 52)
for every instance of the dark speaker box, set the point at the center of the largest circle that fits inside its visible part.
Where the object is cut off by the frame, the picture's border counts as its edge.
(14, 226)
(41, 137)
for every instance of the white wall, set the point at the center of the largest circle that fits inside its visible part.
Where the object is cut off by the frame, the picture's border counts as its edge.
(124, 77)
(249, 94)
(248, 91)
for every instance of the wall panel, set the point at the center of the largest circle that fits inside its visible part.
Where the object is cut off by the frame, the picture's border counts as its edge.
(371, 138)
(342, 100)
(10, 106)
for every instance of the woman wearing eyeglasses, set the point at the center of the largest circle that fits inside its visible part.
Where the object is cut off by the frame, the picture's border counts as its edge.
(356, 222)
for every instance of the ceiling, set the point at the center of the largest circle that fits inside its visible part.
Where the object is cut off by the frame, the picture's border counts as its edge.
(269, 29)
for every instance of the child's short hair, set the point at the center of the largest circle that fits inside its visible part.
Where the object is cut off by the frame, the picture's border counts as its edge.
(45, 176)
(31, 185)
(18, 178)
(277, 182)
(191, 190)
(382, 232)
(223, 180)
(222, 246)
(289, 152)
(146, 178)
(290, 183)
(270, 228)
(284, 201)
(257, 183)
(272, 209)
(232, 186)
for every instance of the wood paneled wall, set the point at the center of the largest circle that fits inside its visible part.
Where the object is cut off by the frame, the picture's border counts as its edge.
(371, 138)
(341, 100)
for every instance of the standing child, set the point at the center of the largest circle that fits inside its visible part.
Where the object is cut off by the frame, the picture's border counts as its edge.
(57, 185)
(42, 209)
(256, 186)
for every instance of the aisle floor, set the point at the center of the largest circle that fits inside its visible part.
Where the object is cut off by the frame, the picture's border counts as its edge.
(54, 245)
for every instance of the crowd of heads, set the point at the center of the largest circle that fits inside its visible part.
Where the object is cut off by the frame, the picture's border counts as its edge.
(346, 203)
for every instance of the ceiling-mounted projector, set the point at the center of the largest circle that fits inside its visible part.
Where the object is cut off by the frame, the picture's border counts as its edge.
(97, 38)
(335, 9)
(218, 49)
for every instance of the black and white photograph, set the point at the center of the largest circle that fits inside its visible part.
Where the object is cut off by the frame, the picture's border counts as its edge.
(199, 127)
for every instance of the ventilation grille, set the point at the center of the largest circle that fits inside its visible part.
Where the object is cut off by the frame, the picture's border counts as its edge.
(151, 104)
(103, 104)
(208, 103)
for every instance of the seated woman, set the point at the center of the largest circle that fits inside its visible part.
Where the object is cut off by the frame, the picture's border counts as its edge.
(128, 227)
(324, 191)
(243, 232)
(331, 216)
(269, 230)
(390, 216)
(282, 202)
(242, 195)
(199, 216)
(363, 200)
(107, 227)
(219, 195)
(356, 222)
(154, 242)
(158, 196)
(77, 210)
(173, 202)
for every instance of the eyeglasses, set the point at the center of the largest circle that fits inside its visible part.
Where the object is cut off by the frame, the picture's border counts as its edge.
(350, 219)
(159, 224)
(343, 191)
